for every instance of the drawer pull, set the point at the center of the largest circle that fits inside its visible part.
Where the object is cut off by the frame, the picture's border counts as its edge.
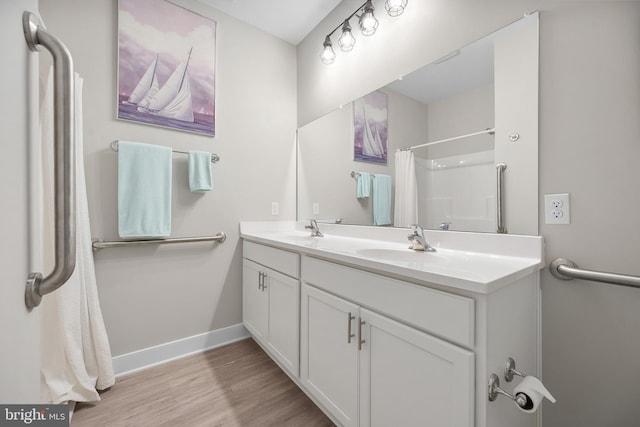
(360, 340)
(349, 333)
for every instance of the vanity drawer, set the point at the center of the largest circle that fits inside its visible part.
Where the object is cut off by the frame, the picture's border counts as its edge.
(440, 313)
(277, 259)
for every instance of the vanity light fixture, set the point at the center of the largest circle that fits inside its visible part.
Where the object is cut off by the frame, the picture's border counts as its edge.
(368, 25)
(368, 21)
(346, 40)
(328, 55)
(395, 7)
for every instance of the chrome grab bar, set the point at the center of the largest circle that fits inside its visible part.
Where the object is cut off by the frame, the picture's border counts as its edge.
(64, 162)
(99, 244)
(566, 270)
(500, 227)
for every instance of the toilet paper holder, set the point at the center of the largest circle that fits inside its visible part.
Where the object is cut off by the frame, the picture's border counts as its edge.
(494, 384)
(495, 390)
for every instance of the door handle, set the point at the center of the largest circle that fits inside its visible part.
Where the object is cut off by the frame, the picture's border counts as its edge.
(360, 340)
(349, 333)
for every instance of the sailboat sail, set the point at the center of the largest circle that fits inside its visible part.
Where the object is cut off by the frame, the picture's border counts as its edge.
(371, 143)
(180, 107)
(173, 100)
(155, 87)
(147, 83)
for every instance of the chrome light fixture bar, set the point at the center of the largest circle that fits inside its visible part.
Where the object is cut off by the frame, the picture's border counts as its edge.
(368, 25)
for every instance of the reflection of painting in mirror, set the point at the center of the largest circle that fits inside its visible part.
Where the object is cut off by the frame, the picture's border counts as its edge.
(370, 128)
(492, 83)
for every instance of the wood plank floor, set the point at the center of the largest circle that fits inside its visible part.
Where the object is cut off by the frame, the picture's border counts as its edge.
(235, 385)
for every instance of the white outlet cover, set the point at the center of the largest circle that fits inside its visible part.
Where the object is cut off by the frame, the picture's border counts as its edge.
(557, 209)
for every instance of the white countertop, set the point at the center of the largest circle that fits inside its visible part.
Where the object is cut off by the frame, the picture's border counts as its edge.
(476, 262)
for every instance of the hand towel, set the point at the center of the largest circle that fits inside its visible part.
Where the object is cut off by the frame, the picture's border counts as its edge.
(364, 185)
(144, 190)
(200, 171)
(381, 199)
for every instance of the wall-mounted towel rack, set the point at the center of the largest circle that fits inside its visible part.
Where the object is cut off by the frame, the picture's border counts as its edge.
(99, 244)
(214, 157)
(490, 131)
(565, 269)
(355, 174)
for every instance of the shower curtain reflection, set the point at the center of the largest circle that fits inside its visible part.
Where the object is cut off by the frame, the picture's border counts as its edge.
(406, 203)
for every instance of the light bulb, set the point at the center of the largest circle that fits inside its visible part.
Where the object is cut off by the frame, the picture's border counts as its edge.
(368, 22)
(346, 40)
(328, 55)
(395, 7)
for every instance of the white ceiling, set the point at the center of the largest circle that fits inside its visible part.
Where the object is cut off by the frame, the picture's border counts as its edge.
(290, 20)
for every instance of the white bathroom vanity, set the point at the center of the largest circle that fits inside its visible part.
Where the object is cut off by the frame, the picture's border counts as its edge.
(378, 334)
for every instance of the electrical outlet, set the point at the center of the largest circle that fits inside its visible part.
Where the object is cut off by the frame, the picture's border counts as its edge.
(316, 208)
(557, 209)
(275, 208)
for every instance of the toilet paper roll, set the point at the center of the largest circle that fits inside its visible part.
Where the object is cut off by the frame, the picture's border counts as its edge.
(534, 391)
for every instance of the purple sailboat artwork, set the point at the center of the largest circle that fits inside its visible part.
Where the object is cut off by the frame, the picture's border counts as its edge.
(370, 128)
(156, 84)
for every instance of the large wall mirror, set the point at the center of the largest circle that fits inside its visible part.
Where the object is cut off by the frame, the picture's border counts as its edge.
(449, 124)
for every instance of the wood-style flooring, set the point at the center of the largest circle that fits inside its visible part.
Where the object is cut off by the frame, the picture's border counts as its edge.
(235, 385)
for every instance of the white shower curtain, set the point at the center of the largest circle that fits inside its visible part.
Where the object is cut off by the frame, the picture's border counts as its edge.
(76, 358)
(406, 203)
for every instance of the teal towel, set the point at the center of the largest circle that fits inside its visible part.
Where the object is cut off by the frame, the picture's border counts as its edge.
(144, 190)
(381, 199)
(200, 171)
(364, 185)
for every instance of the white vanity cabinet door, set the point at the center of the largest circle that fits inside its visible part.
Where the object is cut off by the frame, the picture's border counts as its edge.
(284, 319)
(329, 355)
(410, 378)
(270, 311)
(255, 303)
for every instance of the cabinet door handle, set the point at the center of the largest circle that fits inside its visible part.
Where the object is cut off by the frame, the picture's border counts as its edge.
(360, 340)
(349, 333)
(260, 280)
(264, 284)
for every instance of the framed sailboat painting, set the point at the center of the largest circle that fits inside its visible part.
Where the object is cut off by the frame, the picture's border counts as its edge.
(166, 66)
(370, 128)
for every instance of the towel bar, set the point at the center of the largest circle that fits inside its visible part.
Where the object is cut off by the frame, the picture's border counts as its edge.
(214, 157)
(99, 244)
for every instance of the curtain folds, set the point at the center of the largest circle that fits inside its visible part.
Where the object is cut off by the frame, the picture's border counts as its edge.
(76, 357)
(406, 201)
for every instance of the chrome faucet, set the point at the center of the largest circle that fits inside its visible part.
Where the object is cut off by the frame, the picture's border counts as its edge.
(418, 242)
(313, 226)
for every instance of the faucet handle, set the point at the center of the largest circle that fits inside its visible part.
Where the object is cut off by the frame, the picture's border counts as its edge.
(417, 230)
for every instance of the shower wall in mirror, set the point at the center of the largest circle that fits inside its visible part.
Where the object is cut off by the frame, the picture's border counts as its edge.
(492, 83)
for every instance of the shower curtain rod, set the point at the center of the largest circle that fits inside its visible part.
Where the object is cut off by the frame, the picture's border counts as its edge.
(214, 157)
(490, 131)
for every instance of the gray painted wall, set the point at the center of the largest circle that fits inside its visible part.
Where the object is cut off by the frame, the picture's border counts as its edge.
(155, 295)
(589, 145)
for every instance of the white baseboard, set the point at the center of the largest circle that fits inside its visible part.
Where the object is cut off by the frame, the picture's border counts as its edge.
(163, 353)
